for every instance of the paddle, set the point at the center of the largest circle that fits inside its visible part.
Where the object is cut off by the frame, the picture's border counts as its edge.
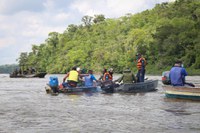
(190, 84)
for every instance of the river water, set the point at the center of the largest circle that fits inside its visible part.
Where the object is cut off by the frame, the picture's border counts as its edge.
(26, 108)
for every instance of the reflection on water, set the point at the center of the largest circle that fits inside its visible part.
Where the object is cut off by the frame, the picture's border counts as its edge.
(26, 108)
(178, 112)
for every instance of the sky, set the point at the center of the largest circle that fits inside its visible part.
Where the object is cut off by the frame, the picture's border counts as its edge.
(27, 22)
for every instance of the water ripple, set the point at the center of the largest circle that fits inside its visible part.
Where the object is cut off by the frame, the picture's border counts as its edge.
(26, 108)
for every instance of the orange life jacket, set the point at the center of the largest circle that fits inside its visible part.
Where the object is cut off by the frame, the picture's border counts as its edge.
(107, 76)
(139, 63)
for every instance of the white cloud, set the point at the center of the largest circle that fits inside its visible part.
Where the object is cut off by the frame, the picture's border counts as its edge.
(14, 6)
(118, 6)
(49, 5)
(112, 8)
(6, 42)
(27, 22)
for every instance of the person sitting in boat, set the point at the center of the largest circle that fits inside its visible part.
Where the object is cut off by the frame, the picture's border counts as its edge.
(107, 76)
(177, 74)
(15, 73)
(103, 72)
(20, 71)
(33, 70)
(127, 77)
(72, 78)
(80, 77)
(84, 70)
(89, 80)
(110, 71)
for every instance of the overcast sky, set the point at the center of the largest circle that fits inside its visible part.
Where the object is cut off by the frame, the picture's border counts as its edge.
(27, 22)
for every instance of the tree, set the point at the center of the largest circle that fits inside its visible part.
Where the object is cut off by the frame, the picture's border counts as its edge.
(98, 18)
(87, 20)
(53, 39)
(163, 34)
(72, 28)
(23, 59)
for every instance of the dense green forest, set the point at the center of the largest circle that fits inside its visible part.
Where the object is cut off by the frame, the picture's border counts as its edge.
(168, 32)
(8, 68)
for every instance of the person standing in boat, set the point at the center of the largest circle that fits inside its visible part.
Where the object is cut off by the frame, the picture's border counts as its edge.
(177, 74)
(89, 80)
(141, 64)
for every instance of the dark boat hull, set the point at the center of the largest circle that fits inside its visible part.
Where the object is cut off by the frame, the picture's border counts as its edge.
(71, 90)
(147, 86)
(37, 75)
(78, 89)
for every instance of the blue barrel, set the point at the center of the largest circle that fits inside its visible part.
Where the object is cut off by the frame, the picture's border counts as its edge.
(53, 82)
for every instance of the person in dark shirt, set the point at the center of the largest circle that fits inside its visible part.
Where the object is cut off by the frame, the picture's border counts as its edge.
(141, 64)
(127, 77)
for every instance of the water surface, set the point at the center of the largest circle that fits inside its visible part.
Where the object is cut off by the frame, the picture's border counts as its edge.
(26, 108)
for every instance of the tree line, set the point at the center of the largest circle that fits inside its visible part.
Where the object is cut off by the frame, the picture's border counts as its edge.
(9, 68)
(168, 32)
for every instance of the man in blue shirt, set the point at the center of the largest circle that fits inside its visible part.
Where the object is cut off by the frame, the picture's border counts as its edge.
(89, 79)
(177, 74)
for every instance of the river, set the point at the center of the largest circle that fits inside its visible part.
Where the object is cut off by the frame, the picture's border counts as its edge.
(26, 108)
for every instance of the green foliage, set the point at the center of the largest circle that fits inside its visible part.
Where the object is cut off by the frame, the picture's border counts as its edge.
(87, 20)
(8, 68)
(168, 32)
(23, 59)
(98, 18)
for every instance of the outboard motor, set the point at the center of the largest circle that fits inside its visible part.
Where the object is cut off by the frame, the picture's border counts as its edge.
(53, 83)
(165, 78)
(108, 86)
